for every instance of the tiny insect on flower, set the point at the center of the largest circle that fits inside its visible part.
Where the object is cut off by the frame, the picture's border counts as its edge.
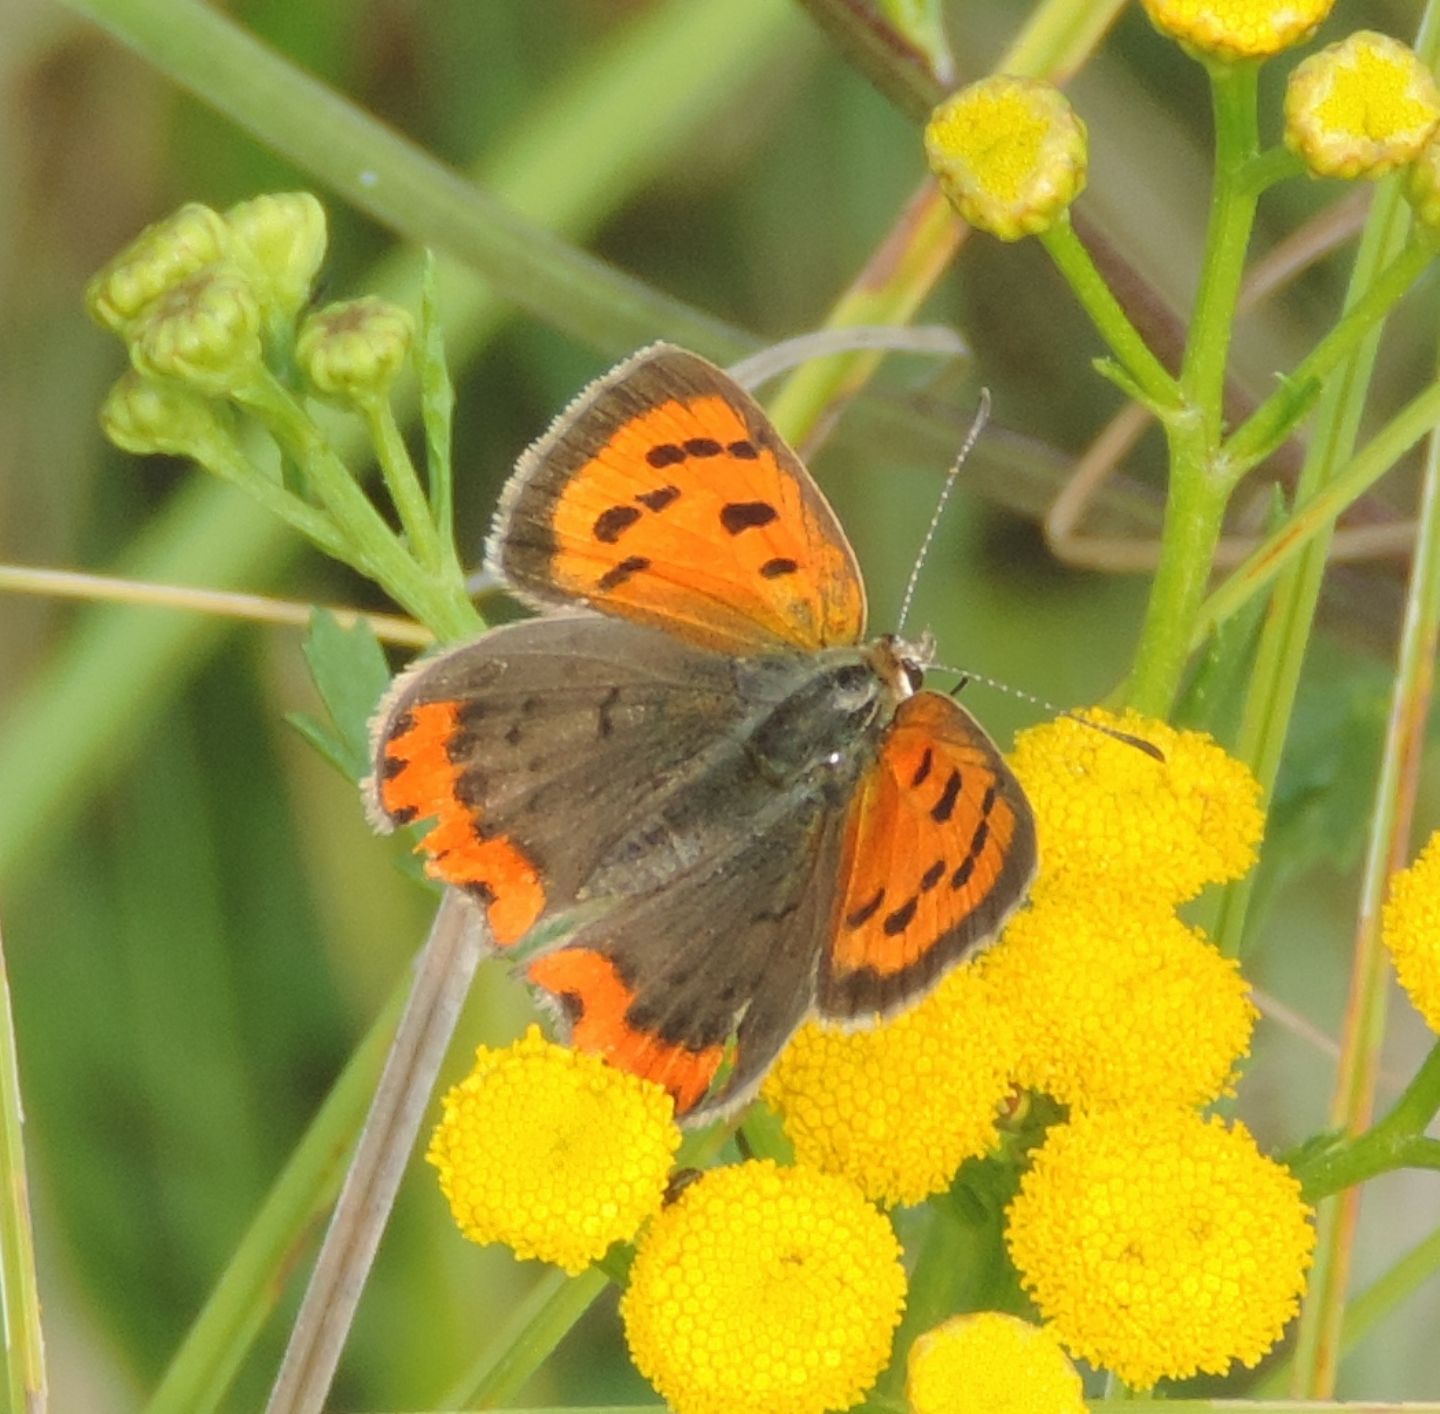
(764, 1290)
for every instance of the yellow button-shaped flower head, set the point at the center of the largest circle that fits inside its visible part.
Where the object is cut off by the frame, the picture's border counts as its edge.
(1360, 108)
(1117, 1002)
(1232, 30)
(553, 1151)
(1422, 185)
(1010, 153)
(1159, 1243)
(1412, 931)
(764, 1290)
(203, 331)
(899, 1107)
(991, 1363)
(1158, 829)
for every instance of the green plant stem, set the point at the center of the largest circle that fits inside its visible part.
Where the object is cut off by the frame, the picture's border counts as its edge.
(1234, 90)
(406, 493)
(1318, 514)
(440, 602)
(24, 1336)
(1397, 1141)
(246, 1294)
(1149, 375)
(1276, 418)
(524, 1345)
(1198, 494)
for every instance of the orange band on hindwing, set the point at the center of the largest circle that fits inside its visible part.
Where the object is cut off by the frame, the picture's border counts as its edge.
(596, 999)
(418, 782)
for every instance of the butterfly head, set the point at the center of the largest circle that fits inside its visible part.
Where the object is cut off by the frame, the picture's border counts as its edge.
(901, 662)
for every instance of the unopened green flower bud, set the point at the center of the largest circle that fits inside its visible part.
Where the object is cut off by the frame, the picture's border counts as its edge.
(204, 332)
(1360, 108)
(1010, 153)
(352, 351)
(142, 415)
(161, 256)
(280, 242)
(1422, 187)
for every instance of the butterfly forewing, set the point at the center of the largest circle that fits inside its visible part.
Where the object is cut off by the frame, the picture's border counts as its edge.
(664, 495)
(939, 849)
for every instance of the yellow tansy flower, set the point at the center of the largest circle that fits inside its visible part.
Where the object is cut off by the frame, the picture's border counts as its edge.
(1010, 153)
(991, 1363)
(1159, 1243)
(1107, 810)
(1238, 29)
(899, 1107)
(1118, 1003)
(1360, 108)
(353, 350)
(1411, 926)
(553, 1151)
(279, 238)
(764, 1290)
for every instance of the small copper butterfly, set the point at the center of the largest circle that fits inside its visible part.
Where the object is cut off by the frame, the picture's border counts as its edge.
(735, 812)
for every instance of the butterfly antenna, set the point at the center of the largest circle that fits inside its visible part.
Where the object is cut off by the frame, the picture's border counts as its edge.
(963, 678)
(977, 426)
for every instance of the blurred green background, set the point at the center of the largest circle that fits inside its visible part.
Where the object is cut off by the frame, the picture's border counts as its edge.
(199, 923)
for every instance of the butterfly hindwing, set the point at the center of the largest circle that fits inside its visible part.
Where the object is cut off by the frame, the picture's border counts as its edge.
(537, 752)
(664, 495)
(939, 849)
(664, 984)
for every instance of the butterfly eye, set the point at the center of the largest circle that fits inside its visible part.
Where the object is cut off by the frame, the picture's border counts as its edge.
(914, 675)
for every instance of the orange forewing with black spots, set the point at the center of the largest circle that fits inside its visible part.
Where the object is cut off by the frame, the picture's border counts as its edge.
(939, 848)
(665, 496)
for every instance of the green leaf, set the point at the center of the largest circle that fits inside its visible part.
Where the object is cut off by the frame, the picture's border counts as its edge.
(351, 673)
(437, 405)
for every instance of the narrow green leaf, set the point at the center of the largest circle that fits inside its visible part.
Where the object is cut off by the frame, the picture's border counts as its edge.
(351, 674)
(437, 405)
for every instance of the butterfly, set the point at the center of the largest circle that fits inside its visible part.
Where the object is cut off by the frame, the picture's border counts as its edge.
(724, 809)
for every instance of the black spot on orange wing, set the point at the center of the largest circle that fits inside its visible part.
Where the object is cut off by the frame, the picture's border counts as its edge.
(612, 524)
(867, 910)
(703, 447)
(897, 922)
(944, 808)
(666, 454)
(774, 569)
(743, 451)
(616, 575)
(659, 498)
(932, 876)
(747, 515)
(922, 771)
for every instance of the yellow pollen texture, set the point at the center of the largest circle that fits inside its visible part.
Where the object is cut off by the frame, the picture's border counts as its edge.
(1412, 931)
(1118, 1004)
(764, 1290)
(1160, 1244)
(1010, 154)
(553, 1152)
(898, 1108)
(1110, 813)
(991, 1363)
(1238, 29)
(1360, 108)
